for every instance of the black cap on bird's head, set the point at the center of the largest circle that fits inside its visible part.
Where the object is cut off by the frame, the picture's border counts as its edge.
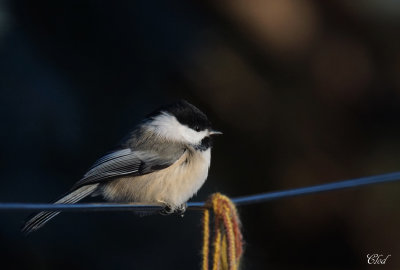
(187, 114)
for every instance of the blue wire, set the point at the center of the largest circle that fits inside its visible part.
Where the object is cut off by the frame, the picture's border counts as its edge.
(358, 182)
(245, 200)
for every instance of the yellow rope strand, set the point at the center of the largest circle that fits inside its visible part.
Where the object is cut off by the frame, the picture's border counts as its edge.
(206, 238)
(230, 236)
(228, 240)
(224, 254)
(217, 251)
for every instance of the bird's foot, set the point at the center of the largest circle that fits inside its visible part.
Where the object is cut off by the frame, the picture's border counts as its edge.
(181, 209)
(168, 209)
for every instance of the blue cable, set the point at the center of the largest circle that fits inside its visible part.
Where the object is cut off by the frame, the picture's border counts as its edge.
(245, 200)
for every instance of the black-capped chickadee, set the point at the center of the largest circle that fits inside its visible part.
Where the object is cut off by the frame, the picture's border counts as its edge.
(165, 159)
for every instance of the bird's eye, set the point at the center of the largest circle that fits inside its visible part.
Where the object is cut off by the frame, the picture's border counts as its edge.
(197, 128)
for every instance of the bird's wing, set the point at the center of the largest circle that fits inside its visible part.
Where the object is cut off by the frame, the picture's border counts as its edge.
(128, 162)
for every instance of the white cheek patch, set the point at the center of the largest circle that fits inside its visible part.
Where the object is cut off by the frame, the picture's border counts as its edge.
(193, 136)
(167, 126)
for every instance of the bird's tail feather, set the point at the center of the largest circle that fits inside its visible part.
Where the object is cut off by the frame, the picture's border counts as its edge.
(40, 219)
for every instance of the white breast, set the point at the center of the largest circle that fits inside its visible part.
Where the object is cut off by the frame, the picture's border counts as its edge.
(174, 185)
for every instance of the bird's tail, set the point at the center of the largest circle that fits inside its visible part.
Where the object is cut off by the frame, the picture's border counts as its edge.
(38, 220)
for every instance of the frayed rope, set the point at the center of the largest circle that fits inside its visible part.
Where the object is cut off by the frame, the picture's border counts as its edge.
(227, 240)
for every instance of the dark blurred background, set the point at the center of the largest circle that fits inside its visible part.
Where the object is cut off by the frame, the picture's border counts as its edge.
(306, 92)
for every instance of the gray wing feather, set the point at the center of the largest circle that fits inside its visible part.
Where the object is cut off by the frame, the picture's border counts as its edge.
(111, 156)
(38, 220)
(128, 162)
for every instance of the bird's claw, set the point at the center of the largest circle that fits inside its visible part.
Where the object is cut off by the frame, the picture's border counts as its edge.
(168, 209)
(181, 209)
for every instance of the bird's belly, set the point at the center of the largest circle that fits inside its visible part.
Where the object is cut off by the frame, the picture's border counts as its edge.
(173, 185)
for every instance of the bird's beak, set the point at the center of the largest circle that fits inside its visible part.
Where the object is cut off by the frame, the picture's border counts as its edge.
(215, 132)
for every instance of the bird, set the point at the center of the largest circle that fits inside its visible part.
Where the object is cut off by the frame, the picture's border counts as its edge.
(164, 159)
